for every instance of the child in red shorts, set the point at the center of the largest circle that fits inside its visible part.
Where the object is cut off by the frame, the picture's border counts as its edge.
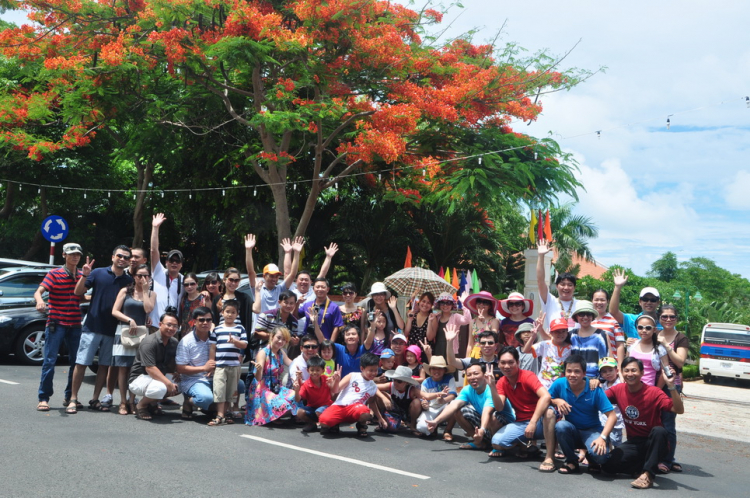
(313, 395)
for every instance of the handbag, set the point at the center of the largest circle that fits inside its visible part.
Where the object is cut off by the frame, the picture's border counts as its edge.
(132, 340)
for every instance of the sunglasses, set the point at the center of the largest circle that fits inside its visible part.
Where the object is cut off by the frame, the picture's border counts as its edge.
(347, 293)
(650, 299)
(175, 261)
(203, 320)
(310, 346)
(190, 284)
(486, 343)
(585, 313)
(668, 317)
(123, 256)
(234, 280)
(515, 303)
(645, 327)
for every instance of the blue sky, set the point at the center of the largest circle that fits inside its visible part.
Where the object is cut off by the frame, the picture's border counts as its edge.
(649, 189)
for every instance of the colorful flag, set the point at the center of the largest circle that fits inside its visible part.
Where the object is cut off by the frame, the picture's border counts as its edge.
(441, 273)
(454, 282)
(475, 283)
(540, 227)
(532, 225)
(447, 274)
(407, 263)
(463, 283)
(547, 228)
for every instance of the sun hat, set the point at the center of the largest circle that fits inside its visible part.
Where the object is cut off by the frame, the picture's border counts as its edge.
(583, 306)
(528, 304)
(72, 248)
(607, 362)
(470, 302)
(417, 352)
(402, 373)
(379, 288)
(387, 353)
(443, 298)
(525, 327)
(399, 336)
(649, 290)
(438, 361)
(271, 269)
(558, 324)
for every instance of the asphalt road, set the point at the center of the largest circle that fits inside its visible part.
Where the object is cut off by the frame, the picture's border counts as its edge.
(105, 454)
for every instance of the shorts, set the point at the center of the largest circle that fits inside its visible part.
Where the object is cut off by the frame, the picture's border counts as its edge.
(313, 413)
(225, 383)
(145, 386)
(123, 361)
(91, 342)
(338, 414)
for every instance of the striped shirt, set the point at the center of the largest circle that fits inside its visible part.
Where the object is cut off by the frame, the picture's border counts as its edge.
(193, 352)
(64, 305)
(227, 354)
(614, 332)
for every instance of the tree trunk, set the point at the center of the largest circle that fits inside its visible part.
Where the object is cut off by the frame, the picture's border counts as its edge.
(145, 173)
(39, 241)
(8, 206)
(283, 224)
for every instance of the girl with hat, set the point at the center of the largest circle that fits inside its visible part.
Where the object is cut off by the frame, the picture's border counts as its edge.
(436, 331)
(483, 306)
(516, 310)
(380, 298)
(552, 353)
(588, 341)
(438, 390)
(413, 357)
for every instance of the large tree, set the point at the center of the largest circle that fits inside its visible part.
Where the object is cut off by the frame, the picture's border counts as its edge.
(319, 89)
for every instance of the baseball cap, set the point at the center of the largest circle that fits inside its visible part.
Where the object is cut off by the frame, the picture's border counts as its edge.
(271, 269)
(399, 336)
(175, 253)
(72, 248)
(558, 324)
(650, 290)
(607, 362)
(387, 353)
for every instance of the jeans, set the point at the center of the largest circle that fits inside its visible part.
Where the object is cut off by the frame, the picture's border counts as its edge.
(570, 439)
(669, 421)
(202, 394)
(53, 339)
(639, 454)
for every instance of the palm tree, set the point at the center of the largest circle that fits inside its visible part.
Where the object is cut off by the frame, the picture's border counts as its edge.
(571, 234)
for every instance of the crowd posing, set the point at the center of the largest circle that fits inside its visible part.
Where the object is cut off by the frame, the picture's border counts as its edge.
(596, 387)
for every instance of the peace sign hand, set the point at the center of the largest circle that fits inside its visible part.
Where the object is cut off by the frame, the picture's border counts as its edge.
(86, 269)
(426, 347)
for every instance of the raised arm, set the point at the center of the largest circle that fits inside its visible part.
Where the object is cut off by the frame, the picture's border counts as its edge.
(330, 252)
(541, 279)
(297, 245)
(620, 279)
(451, 331)
(432, 326)
(81, 288)
(371, 333)
(256, 303)
(156, 222)
(392, 303)
(497, 399)
(249, 264)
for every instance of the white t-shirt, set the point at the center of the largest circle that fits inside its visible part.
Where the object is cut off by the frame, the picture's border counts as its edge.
(554, 309)
(298, 365)
(359, 390)
(164, 297)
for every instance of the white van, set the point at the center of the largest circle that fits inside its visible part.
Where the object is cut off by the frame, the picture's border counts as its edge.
(725, 351)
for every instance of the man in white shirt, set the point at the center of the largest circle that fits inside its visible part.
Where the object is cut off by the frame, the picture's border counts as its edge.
(167, 281)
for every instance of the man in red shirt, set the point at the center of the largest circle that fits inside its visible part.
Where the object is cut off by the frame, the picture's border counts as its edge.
(63, 320)
(641, 406)
(531, 401)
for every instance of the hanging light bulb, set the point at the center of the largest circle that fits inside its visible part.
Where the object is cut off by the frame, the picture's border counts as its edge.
(39, 191)
(379, 177)
(190, 195)
(84, 194)
(223, 193)
(19, 186)
(255, 191)
(162, 194)
(294, 186)
(480, 160)
(109, 194)
(536, 156)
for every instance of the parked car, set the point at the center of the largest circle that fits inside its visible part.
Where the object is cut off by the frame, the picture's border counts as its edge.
(18, 285)
(8, 263)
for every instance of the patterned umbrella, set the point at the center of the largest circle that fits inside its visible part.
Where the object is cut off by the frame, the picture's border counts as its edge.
(405, 282)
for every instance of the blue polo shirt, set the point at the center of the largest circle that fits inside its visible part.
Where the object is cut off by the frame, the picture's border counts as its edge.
(470, 396)
(585, 408)
(106, 287)
(628, 325)
(349, 363)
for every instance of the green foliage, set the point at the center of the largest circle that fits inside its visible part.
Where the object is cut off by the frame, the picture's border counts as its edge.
(665, 268)
(690, 371)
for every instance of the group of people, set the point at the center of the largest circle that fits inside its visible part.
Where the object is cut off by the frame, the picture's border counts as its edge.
(579, 377)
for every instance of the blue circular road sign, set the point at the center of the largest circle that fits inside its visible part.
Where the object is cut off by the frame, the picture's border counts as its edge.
(54, 228)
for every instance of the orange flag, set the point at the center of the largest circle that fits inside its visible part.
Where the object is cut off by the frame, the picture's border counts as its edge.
(454, 282)
(547, 228)
(407, 263)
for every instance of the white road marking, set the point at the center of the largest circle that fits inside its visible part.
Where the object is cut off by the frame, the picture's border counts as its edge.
(337, 457)
(9, 382)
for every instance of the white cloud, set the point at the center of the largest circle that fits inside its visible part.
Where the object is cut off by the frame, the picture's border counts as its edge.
(738, 191)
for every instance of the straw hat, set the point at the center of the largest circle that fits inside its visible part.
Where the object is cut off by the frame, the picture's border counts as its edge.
(528, 304)
(438, 361)
(470, 302)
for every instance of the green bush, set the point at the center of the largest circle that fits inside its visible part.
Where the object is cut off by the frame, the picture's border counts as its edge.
(689, 371)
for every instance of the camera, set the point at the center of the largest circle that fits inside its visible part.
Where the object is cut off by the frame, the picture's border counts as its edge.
(371, 316)
(316, 307)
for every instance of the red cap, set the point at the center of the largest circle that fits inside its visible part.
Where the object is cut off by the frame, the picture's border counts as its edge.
(558, 324)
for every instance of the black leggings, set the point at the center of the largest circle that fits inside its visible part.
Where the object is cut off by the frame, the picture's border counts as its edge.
(639, 454)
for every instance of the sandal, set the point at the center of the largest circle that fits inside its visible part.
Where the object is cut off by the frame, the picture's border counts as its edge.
(547, 467)
(79, 405)
(568, 470)
(496, 453)
(470, 446)
(447, 436)
(676, 467)
(644, 481)
(123, 409)
(143, 413)
(98, 406)
(217, 422)
(309, 428)
(361, 430)
(186, 414)
(229, 421)
(42, 406)
(155, 410)
(72, 407)
(662, 468)
(530, 452)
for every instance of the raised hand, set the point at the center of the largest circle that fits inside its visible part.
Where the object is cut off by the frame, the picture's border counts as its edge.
(619, 277)
(337, 374)
(392, 301)
(451, 332)
(543, 247)
(286, 244)
(331, 250)
(539, 322)
(463, 296)
(87, 267)
(158, 219)
(259, 283)
(489, 376)
(427, 349)
(249, 241)
(298, 243)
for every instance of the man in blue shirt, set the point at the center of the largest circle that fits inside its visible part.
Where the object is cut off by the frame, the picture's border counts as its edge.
(572, 397)
(649, 299)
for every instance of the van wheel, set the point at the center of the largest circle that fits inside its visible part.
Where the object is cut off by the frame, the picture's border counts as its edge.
(707, 379)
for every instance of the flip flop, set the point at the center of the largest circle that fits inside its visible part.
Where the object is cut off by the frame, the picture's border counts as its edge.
(676, 467)
(567, 470)
(662, 468)
(361, 430)
(547, 467)
(469, 446)
(496, 453)
(72, 407)
(43, 406)
(447, 436)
